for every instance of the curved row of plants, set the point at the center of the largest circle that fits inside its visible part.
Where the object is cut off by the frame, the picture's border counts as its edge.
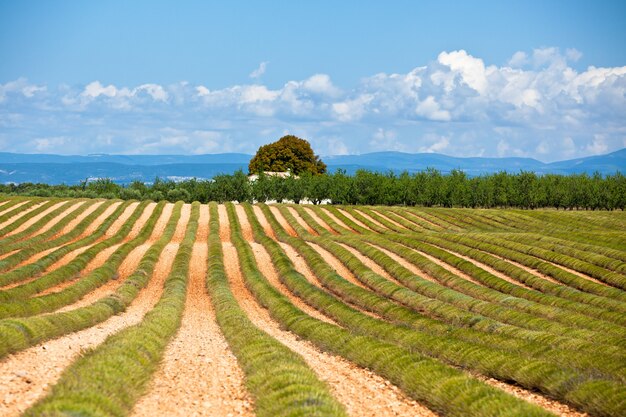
(72, 269)
(443, 388)
(7, 241)
(28, 215)
(499, 291)
(109, 379)
(566, 297)
(54, 230)
(538, 342)
(80, 287)
(20, 333)
(279, 379)
(596, 394)
(62, 246)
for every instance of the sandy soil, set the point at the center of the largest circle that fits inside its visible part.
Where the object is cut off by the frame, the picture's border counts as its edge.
(58, 218)
(409, 214)
(370, 218)
(319, 221)
(141, 221)
(6, 210)
(337, 265)
(18, 215)
(381, 212)
(525, 268)
(349, 383)
(91, 229)
(267, 228)
(549, 404)
(488, 269)
(27, 375)
(301, 221)
(76, 220)
(35, 219)
(246, 228)
(282, 221)
(199, 376)
(408, 265)
(266, 267)
(351, 217)
(338, 220)
(224, 223)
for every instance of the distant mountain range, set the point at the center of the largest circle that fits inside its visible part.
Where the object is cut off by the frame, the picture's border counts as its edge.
(71, 169)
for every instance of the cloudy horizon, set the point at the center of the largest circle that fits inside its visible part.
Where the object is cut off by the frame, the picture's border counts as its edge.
(545, 102)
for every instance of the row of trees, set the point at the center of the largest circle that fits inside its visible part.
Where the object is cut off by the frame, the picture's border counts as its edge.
(426, 188)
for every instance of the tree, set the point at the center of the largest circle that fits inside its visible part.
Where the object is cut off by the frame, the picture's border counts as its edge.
(289, 153)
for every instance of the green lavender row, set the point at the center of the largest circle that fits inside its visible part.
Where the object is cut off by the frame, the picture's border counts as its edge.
(443, 388)
(280, 381)
(108, 380)
(18, 334)
(34, 268)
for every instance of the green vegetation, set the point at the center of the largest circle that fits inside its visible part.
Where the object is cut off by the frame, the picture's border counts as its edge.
(289, 153)
(429, 188)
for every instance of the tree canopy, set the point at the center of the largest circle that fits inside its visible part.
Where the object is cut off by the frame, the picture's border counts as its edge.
(289, 153)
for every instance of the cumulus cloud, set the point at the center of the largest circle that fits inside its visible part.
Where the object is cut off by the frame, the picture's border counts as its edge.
(536, 104)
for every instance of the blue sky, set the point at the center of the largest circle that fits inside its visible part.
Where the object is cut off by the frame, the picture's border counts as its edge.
(544, 79)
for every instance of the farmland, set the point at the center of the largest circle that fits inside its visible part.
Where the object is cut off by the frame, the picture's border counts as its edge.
(139, 308)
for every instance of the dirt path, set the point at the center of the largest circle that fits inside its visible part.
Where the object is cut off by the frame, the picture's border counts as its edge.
(338, 220)
(141, 221)
(8, 209)
(128, 265)
(301, 221)
(362, 392)
(371, 219)
(319, 221)
(224, 223)
(34, 219)
(18, 215)
(199, 376)
(282, 221)
(266, 267)
(27, 375)
(354, 219)
(91, 229)
(549, 404)
(403, 262)
(246, 228)
(488, 269)
(58, 218)
(76, 220)
(381, 213)
(267, 228)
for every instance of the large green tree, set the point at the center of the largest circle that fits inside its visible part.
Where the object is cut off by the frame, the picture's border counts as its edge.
(289, 153)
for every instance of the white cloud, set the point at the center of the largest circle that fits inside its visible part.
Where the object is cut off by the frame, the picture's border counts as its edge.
(598, 145)
(257, 73)
(456, 104)
(430, 109)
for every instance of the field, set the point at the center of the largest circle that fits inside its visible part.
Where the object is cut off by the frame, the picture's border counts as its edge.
(116, 308)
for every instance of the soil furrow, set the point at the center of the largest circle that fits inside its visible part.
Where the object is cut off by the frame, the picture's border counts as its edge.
(371, 219)
(301, 221)
(354, 219)
(362, 392)
(319, 221)
(267, 228)
(199, 375)
(381, 213)
(246, 228)
(338, 220)
(27, 375)
(282, 221)
(76, 220)
(58, 218)
(34, 219)
(18, 215)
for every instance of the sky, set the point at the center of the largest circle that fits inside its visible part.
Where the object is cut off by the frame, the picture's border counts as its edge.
(541, 79)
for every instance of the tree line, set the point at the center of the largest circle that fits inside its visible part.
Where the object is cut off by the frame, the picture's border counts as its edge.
(426, 188)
